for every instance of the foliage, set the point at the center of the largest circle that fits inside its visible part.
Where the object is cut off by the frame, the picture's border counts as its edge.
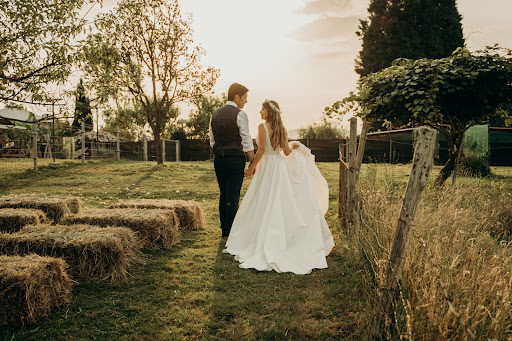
(82, 109)
(36, 45)
(448, 94)
(178, 133)
(145, 51)
(131, 119)
(501, 117)
(475, 167)
(407, 29)
(324, 130)
(199, 120)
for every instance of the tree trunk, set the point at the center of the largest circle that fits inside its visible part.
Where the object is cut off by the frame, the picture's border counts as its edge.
(158, 146)
(454, 142)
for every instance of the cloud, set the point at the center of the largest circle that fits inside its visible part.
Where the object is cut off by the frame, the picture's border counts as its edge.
(327, 28)
(326, 6)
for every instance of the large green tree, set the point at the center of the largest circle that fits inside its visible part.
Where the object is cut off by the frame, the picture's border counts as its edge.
(145, 51)
(199, 119)
(36, 46)
(82, 109)
(410, 29)
(448, 94)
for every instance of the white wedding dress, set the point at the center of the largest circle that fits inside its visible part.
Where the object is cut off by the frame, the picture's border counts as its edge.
(280, 223)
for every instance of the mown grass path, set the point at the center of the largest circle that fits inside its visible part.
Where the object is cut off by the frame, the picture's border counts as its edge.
(194, 291)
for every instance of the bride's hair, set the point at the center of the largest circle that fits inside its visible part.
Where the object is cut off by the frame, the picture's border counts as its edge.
(279, 136)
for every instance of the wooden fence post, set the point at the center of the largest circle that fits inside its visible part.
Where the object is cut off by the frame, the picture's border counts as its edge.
(34, 143)
(118, 145)
(144, 148)
(422, 162)
(342, 191)
(360, 147)
(351, 189)
(163, 151)
(83, 141)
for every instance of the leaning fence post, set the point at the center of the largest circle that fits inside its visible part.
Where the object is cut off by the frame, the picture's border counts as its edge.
(34, 144)
(360, 148)
(83, 141)
(118, 145)
(144, 147)
(422, 162)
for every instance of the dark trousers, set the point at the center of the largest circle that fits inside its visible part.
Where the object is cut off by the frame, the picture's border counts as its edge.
(230, 176)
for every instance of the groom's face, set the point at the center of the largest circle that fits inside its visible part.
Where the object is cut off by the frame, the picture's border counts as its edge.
(240, 101)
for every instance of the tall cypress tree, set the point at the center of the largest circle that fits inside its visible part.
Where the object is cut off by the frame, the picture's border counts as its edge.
(82, 109)
(411, 29)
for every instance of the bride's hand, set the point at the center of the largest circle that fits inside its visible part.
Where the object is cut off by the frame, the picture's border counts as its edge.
(249, 172)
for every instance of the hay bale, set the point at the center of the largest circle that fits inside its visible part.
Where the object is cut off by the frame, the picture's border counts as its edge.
(12, 220)
(156, 228)
(54, 207)
(92, 252)
(30, 287)
(189, 212)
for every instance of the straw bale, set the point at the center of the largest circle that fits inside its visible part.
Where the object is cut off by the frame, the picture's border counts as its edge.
(12, 219)
(155, 228)
(30, 287)
(54, 207)
(189, 212)
(92, 252)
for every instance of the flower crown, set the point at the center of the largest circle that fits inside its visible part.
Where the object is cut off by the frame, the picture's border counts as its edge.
(272, 106)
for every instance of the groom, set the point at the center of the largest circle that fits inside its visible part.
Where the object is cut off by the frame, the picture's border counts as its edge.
(230, 139)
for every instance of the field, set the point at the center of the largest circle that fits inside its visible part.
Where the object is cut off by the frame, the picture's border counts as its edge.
(194, 291)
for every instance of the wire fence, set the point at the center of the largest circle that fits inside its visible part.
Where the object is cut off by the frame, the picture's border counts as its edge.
(26, 145)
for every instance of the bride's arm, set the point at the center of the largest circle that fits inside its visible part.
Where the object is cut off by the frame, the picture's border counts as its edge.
(259, 154)
(286, 148)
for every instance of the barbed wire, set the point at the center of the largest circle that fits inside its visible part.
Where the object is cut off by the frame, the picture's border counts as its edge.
(401, 321)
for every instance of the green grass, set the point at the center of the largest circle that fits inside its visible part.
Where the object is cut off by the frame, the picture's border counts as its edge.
(194, 291)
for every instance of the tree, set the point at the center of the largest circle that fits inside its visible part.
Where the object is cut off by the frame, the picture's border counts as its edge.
(411, 29)
(144, 51)
(199, 120)
(448, 94)
(82, 109)
(324, 130)
(36, 46)
(129, 120)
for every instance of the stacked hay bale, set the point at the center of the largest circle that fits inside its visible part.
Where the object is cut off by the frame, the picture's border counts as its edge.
(12, 220)
(54, 208)
(190, 214)
(155, 228)
(91, 252)
(30, 287)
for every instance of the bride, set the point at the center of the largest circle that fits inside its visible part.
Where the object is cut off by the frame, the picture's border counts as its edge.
(280, 223)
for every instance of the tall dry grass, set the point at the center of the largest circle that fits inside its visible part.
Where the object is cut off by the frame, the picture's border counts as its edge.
(457, 280)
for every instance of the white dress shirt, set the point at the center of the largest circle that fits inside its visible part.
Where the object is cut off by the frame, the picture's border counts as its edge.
(243, 127)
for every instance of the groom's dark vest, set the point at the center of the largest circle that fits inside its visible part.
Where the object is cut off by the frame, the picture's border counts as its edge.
(226, 132)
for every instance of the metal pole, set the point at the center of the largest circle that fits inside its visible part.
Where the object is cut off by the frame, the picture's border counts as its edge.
(144, 148)
(34, 144)
(83, 141)
(118, 145)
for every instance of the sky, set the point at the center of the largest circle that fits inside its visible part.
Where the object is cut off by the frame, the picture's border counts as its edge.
(301, 52)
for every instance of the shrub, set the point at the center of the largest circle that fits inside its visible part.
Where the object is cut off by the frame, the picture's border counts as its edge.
(475, 167)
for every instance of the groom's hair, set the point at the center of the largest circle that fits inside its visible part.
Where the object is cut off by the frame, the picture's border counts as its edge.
(236, 89)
